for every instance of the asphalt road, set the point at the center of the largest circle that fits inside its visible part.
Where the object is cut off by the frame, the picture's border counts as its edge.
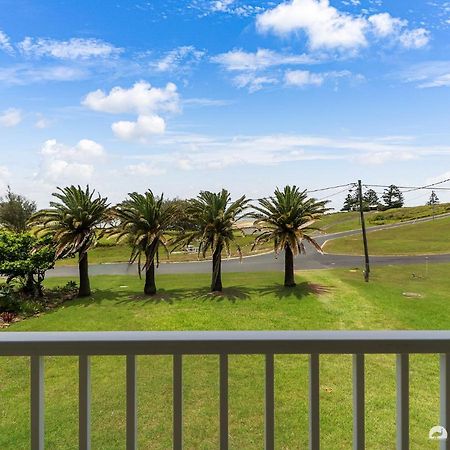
(268, 262)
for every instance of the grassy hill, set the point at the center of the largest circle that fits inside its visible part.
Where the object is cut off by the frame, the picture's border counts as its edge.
(344, 221)
(422, 238)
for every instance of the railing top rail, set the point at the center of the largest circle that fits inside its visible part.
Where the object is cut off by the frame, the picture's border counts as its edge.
(217, 342)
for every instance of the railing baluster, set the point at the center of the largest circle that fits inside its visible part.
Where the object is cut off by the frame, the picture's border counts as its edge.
(403, 401)
(314, 412)
(223, 387)
(131, 403)
(269, 404)
(358, 402)
(37, 403)
(177, 402)
(445, 397)
(84, 402)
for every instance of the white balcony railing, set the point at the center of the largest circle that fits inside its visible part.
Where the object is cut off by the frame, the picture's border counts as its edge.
(177, 344)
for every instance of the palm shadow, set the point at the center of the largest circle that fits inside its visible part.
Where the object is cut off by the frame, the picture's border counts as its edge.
(170, 296)
(300, 291)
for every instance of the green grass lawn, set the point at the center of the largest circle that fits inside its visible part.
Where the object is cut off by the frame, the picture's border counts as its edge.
(421, 238)
(336, 299)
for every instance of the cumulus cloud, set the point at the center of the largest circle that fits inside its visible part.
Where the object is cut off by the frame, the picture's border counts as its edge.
(142, 98)
(62, 163)
(73, 49)
(10, 117)
(415, 38)
(327, 28)
(239, 60)
(5, 43)
(324, 25)
(184, 56)
(143, 128)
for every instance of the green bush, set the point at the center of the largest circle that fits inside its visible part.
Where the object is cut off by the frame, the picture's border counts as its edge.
(9, 299)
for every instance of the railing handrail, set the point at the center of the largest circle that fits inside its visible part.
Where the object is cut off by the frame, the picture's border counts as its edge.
(221, 342)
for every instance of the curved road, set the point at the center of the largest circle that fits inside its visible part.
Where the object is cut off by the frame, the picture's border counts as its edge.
(267, 262)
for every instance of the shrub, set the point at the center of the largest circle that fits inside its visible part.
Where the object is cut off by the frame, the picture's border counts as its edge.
(9, 300)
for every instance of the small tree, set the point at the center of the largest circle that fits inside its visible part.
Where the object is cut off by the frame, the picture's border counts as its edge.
(213, 218)
(73, 222)
(287, 219)
(15, 210)
(350, 202)
(434, 200)
(144, 220)
(393, 197)
(26, 257)
(370, 199)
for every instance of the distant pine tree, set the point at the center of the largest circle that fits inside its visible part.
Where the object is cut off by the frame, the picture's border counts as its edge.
(393, 197)
(434, 200)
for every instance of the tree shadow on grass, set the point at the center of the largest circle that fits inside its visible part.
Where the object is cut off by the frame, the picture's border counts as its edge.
(298, 292)
(170, 296)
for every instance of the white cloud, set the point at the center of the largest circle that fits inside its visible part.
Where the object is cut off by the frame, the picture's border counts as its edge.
(253, 82)
(73, 49)
(42, 122)
(221, 5)
(25, 74)
(239, 60)
(144, 169)
(232, 7)
(416, 38)
(10, 117)
(385, 25)
(181, 57)
(379, 158)
(5, 43)
(142, 98)
(430, 74)
(203, 152)
(65, 164)
(327, 28)
(303, 78)
(143, 128)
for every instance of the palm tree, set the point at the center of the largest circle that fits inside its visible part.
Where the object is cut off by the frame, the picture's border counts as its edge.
(144, 220)
(286, 219)
(213, 217)
(73, 222)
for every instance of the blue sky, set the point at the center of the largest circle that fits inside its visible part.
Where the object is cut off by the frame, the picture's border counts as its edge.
(179, 96)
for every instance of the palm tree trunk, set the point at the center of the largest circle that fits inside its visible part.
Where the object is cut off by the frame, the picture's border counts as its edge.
(216, 281)
(289, 279)
(150, 284)
(83, 267)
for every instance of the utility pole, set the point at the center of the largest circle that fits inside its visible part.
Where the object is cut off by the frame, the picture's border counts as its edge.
(363, 227)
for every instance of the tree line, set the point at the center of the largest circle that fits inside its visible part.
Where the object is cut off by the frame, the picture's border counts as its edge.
(78, 217)
(392, 197)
